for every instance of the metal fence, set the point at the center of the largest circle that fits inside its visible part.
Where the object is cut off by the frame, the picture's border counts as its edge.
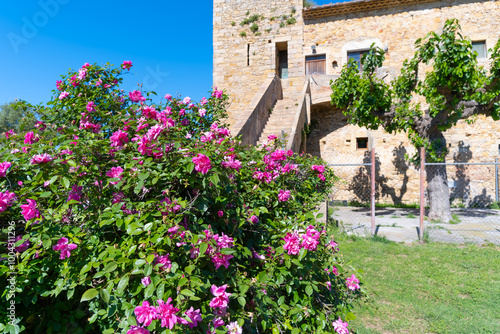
(451, 201)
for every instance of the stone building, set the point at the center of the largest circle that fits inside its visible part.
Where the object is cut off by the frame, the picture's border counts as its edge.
(276, 59)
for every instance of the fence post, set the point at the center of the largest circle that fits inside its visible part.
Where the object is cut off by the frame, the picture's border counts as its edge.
(372, 205)
(496, 180)
(422, 199)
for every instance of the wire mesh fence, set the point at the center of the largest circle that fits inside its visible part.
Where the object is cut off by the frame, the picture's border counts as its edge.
(459, 195)
(470, 189)
(349, 201)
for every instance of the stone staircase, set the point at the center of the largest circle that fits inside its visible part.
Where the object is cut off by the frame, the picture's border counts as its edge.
(281, 118)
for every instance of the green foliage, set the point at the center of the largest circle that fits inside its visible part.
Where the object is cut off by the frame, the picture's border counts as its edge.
(162, 216)
(456, 87)
(252, 19)
(14, 117)
(254, 27)
(243, 34)
(291, 21)
(309, 3)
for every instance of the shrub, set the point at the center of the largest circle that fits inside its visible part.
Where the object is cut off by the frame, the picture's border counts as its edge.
(243, 34)
(133, 215)
(254, 27)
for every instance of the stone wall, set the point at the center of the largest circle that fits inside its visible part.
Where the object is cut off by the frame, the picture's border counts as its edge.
(334, 140)
(243, 63)
(396, 30)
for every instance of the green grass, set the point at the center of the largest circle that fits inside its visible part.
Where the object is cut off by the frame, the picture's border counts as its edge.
(455, 219)
(431, 288)
(410, 215)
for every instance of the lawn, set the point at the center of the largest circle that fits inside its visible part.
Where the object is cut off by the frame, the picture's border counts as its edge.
(431, 288)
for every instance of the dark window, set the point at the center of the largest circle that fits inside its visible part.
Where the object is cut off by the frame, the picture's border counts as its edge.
(480, 48)
(362, 143)
(357, 55)
(316, 64)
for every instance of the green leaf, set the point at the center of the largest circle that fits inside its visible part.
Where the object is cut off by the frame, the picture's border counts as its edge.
(104, 295)
(110, 267)
(187, 292)
(215, 179)
(45, 194)
(182, 281)
(189, 167)
(302, 253)
(89, 294)
(189, 269)
(242, 301)
(122, 284)
(244, 289)
(309, 290)
(149, 291)
(143, 176)
(203, 248)
(65, 182)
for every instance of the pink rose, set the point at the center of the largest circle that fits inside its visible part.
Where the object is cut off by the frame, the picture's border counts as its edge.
(64, 248)
(4, 167)
(29, 210)
(127, 64)
(63, 95)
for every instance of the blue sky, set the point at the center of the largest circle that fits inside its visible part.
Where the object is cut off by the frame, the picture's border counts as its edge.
(169, 43)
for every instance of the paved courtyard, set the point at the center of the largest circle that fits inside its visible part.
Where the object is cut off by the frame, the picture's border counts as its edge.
(401, 225)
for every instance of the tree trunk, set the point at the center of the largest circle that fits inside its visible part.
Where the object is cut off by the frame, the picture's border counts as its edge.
(439, 193)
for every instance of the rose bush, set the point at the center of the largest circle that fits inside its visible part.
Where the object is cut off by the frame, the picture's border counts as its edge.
(139, 217)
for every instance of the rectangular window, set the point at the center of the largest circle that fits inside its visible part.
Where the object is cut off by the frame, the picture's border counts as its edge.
(480, 48)
(316, 64)
(362, 143)
(356, 56)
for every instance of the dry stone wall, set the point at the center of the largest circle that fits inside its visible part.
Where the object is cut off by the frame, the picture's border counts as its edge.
(243, 59)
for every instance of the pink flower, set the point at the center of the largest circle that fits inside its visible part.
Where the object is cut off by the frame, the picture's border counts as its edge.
(6, 200)
(115, 172)
(310, 240)
(329, 285)
(90, 106)
(202, 163)
(254, 219)
(4, 167)
(136, 96)
(320, 169)
(220, 213)
(186, 100)
(221, 298)
(217, 93)
(64, 247)
(29, 138)
(168, 97)
(29, 210)
(284, 195)
(166, 313)
(137, 330)
(195, 316)
(335, 271)
(231, 162)
(127, 64)
(292, 243)
(203, 101)
(164, 261)
(41, 158)
(234, 328)
(82, 73)
(223, 241)
(22, 247)
(146, 314)
(202, 112)
(75, 194)
(352, 283)
(218, 322)
(271, 137)
(59, 84)
(221, 260)
(333, 245)
(63, 95)
(340, 326)
(146, 281)
(118, 139)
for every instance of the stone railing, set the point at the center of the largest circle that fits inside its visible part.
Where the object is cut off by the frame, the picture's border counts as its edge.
(302, 117)
(253, 119)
